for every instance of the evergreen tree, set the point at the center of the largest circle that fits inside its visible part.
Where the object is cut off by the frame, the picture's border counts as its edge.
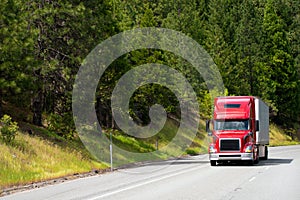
(17, 46)
(254, 43)
(247, 49)
(217, 42)
(283, 78)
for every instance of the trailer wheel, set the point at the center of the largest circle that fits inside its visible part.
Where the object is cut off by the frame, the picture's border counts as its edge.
(256, 161)
(213, 163)
(266, 154)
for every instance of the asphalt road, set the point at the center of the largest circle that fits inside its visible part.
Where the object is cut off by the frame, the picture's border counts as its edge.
(190, 178)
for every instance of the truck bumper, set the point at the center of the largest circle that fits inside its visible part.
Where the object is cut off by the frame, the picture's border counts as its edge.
(231, 156)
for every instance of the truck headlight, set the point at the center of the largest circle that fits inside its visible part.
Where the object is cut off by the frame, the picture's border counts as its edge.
(248, 148)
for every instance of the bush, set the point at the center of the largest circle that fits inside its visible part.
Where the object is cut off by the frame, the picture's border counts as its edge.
(192, 151)
(62, 125)
(8, 129)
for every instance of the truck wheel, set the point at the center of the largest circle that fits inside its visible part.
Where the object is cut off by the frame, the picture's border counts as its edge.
(213, 163)
(266, 154)
(256, 160)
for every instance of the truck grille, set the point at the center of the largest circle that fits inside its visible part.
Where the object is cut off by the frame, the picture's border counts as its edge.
(230, 145)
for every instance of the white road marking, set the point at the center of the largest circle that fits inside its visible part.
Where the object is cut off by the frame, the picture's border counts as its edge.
(251, 179)
(145, 183)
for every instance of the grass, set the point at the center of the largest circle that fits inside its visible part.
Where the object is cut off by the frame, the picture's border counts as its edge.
(197, 145)
(279, 138)
(31, 158)
(132, 144)
(200, 142)
(45, 155)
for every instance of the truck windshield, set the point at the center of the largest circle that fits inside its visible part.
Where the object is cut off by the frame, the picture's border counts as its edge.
(231, 125)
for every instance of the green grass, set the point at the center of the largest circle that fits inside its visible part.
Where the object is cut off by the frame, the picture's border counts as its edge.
(31, 158)
(197, 145)
(132, 144)
(200, 142)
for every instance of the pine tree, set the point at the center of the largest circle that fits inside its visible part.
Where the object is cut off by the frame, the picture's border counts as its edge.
(278, 59)
(17, 46)
(247, 48)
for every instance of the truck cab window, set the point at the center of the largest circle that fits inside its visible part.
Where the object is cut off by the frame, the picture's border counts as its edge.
(231, 125)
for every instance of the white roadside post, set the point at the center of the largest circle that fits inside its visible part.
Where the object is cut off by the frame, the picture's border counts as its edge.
(110, 150)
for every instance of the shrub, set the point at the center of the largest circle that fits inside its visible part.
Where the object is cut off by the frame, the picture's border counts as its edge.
(8, 129)
(62, 125)
(192, 151)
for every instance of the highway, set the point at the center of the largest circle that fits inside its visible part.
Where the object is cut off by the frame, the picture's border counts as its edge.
(186, 178)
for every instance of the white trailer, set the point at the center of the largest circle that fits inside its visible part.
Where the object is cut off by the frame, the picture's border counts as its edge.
(262, 127)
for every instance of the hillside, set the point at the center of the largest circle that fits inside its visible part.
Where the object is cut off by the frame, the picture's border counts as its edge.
(37, 157)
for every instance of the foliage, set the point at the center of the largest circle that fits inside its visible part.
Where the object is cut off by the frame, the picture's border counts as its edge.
(8, 129)
(254, 43)
(62, 125)
(16, 46)
(192, 151)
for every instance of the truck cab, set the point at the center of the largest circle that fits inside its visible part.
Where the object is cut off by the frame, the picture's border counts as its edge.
(239, 130)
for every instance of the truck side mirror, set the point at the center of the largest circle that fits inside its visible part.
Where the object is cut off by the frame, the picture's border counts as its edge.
(207, 128)
(249, 134)
(257, 125)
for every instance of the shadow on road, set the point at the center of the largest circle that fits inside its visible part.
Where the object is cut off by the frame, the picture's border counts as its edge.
(189, 162)
(186, 161)
(180, 162)
(275, 161)
(269, 162)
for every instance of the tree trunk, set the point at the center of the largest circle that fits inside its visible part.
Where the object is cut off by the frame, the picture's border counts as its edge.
(1, 111)
(37, 108)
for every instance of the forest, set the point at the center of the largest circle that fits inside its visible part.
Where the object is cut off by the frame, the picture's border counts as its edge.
(255, 44)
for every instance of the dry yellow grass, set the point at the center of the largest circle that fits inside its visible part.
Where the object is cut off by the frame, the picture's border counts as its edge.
(279, 138)
(32, 159)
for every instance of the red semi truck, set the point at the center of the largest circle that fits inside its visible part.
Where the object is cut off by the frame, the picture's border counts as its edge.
(240, 130)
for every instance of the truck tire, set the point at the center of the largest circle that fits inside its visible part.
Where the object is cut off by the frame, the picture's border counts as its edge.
(256, 161)
(213, 163)
(266, 154)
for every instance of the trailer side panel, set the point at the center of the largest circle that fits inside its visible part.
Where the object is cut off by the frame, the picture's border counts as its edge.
(262, 115)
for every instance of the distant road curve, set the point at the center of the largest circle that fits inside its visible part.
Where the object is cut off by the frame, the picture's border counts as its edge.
(189, 178)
